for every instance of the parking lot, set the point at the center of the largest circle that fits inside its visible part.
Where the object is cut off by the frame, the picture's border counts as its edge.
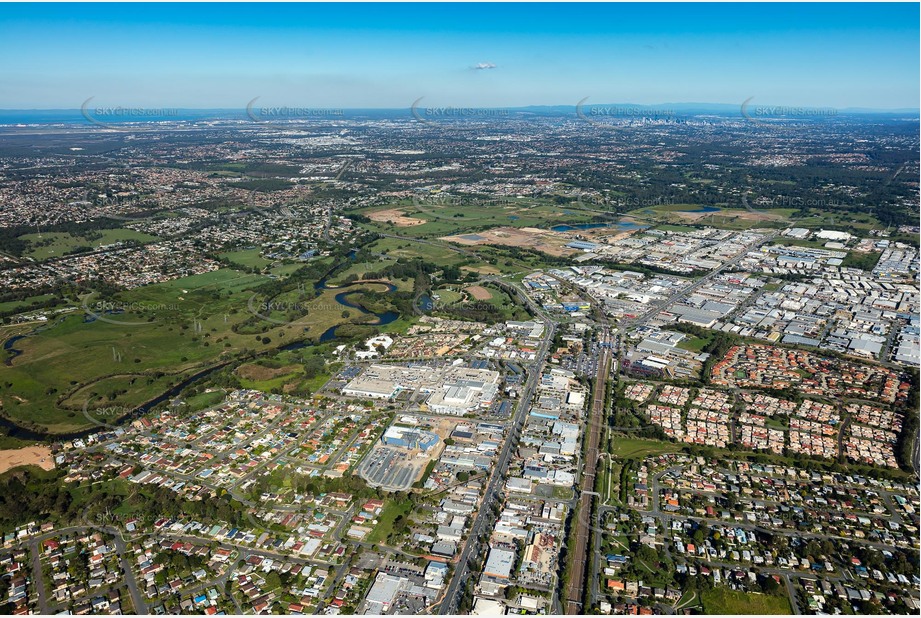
(391, 468)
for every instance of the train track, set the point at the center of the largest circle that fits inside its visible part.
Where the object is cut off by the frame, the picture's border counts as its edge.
(579, 559)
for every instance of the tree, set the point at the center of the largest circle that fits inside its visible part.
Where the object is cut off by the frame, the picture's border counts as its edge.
(272, 580)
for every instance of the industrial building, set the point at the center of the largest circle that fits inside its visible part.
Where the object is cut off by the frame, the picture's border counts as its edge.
(409, 437)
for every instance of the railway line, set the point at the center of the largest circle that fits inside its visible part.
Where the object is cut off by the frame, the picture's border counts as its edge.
(579, 557)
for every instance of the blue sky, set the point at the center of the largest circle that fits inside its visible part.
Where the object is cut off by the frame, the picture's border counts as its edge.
(369, 55)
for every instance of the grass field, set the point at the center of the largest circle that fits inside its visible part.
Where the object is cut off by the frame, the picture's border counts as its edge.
(694, 344)
(638, 448)
(169, 331)
(723, 601)
(7, 442)
(251, 258)
(385, 520)
(510, 309)
(55, 244)
(14, 305)
(821, 218)
(204, 400)
(447, 296)
(274, 382)
(360, 268)
(447, 219)
(397, 248)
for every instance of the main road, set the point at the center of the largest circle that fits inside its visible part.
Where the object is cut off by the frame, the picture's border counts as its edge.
(483, 518)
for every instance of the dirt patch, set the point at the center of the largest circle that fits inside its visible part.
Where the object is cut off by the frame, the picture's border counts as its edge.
(28, 456)
(396, 217)
(526, 237)
(258, 373)
(483, 270)
(744, 215)
(478, 292)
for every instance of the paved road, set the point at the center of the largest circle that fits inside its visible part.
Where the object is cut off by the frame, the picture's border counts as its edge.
(482, 522)
(654, 511)
(140, 607)
(38, 582)
(691, 287)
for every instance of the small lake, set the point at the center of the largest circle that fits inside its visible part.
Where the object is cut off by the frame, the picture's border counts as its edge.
(13, 352)
(620, 225)
(342, 298)
(703, 209)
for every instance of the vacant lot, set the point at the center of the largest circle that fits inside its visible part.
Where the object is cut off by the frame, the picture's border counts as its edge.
(637, 448)
(258, 373)
(722, 601)
(528, 237)
(396, 217)
(385, 521)
(251, 258)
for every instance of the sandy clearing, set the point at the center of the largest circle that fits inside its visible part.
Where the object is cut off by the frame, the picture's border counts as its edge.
(395, 216)
(483, 270)
(546, 241)
(27, 456)
(478, 292)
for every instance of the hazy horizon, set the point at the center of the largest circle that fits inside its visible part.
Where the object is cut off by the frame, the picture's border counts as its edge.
(361, 56)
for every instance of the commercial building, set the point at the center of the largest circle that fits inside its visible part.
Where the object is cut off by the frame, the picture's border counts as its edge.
(499, 563)
(409, 437)
(383, 592)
